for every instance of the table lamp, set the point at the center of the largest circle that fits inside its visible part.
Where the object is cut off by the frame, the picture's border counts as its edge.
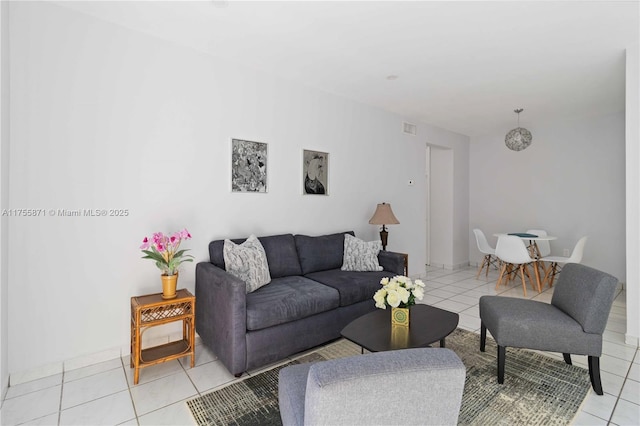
(383, 216)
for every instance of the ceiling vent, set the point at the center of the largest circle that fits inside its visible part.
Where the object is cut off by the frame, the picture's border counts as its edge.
(409, 129)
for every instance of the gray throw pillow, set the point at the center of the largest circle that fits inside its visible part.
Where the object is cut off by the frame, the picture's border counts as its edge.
(360, 255)
(247, 261)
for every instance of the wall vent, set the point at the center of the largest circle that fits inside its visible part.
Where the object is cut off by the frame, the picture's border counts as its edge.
(409, 129)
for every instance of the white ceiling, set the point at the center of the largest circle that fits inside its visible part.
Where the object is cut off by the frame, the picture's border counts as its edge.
(464, 66)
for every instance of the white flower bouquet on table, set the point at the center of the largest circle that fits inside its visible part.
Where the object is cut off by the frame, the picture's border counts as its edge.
(398, 292)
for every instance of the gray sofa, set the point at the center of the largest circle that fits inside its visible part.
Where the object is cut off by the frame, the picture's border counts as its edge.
(406, 387)
(307, 303)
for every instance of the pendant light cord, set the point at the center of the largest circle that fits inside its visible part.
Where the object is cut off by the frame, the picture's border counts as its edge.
(518, 111)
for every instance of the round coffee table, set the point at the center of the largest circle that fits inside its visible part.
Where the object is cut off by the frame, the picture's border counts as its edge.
(427, 325)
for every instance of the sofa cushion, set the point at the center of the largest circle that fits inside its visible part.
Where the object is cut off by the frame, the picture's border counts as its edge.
(353, 287)
(282, 255)
(320, 253)
(360, 255)
(248, 262)
(288, 299)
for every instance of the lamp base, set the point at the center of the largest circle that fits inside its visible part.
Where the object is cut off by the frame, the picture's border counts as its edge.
(384, 235)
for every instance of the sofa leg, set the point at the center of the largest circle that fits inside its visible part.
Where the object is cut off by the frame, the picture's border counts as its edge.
(567, 358)
(501, 355)
(594, 374)
(237, 375)
(483, 336)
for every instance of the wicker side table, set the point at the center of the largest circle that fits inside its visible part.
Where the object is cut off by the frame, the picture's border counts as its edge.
(152, 310)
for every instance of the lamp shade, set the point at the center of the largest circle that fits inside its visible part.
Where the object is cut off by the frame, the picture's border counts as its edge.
(383, 216)
(518, 139)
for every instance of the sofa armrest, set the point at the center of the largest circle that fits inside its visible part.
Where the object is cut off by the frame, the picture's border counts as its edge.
(392, 262)
(427, 383)
(221, 315)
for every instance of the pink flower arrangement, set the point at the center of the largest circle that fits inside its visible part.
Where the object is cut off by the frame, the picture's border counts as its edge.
(163, 249)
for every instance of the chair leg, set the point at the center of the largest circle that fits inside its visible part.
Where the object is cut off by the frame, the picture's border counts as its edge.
(535, 250)
(543, 267)
(495, 262)
(501, 355)
(511, 274)
(486, 274)
(504, 268)
(526, 272)
(546, 278)
(485, 262)
(524, 286)
(483, 336)
(567, 358)
(537, 273)
(554, 271)
(594, 374)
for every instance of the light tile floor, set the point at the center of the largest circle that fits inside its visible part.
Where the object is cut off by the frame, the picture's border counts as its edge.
(104, 394)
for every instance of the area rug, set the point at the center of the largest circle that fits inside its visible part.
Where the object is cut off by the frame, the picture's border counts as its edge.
(538, 390)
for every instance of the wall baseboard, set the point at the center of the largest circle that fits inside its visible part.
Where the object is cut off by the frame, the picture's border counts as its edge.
(449, 267)
(632, 340)
(35, 373)
(84, 361)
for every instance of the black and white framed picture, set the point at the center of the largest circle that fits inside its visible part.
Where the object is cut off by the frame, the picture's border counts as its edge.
(248, 166)
(315, 172)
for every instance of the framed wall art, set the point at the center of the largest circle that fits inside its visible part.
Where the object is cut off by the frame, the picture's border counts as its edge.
(315, 172)
(248, 166)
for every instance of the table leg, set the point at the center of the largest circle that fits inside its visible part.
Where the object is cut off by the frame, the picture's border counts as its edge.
(136, 358)
(442, 343)
(132, 345)
(137, 348)
(192, 341)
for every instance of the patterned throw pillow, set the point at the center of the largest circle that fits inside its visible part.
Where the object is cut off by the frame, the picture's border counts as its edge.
(247, 261)
(360, 255)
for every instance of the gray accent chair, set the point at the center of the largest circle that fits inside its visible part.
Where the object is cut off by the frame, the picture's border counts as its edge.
(572, 324)
(410, 386)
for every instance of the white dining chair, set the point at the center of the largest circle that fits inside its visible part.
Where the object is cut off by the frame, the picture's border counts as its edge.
(556, 262)
(488, 251)
(513, 253)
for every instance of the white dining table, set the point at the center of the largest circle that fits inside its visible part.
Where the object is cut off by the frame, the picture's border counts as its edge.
(532, 238)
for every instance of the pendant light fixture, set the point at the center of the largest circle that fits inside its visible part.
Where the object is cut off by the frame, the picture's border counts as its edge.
(518, 138)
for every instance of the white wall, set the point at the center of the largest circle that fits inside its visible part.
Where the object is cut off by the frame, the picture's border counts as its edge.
(441, 207)
(632, 134)
(4, 198)
(104, 117)
(461, 200)
(449, 200)
(570, 181)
